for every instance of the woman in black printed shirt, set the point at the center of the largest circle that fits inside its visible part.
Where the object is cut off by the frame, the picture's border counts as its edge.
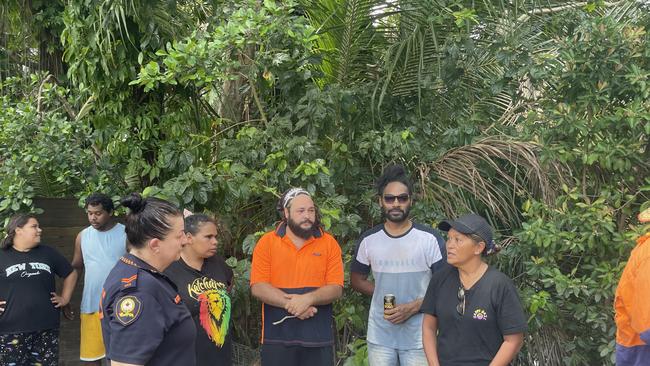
(204, 282)
(473, 316)
(29, 305)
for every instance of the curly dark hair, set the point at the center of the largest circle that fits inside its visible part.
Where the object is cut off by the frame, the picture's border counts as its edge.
(393, 173)
(97, 198)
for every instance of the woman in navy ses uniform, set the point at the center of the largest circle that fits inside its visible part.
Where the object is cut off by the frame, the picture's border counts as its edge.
(144, 321)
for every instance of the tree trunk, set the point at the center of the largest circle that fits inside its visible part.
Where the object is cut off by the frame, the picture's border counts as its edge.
(50, 60)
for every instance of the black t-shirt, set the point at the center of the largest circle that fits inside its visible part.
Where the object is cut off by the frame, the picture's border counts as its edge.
(205, 293)
(26, 281)
(492, 310)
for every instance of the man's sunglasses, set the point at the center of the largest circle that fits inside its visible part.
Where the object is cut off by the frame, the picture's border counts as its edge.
(460, 308)
(402, 198)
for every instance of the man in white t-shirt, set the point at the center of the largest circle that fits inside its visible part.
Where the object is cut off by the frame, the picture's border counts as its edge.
(402, 256)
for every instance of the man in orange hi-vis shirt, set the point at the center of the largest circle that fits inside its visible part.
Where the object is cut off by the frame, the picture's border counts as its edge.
(297, 272)
(632, 305)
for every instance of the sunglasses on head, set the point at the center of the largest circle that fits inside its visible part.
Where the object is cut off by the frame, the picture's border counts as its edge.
(460, 308)
(402, 198)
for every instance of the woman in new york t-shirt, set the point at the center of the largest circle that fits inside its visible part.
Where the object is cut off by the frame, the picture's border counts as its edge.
(29, 305)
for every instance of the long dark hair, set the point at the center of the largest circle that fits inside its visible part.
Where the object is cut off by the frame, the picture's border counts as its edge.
(148, 218)
(17, 221)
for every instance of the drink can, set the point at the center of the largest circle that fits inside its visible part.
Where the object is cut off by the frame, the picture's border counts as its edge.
(389, 301)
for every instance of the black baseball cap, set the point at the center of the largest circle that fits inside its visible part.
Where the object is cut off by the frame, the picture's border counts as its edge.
(471, 224)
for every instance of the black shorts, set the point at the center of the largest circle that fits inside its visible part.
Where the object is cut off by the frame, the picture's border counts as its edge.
(281, 355)
(30, 348)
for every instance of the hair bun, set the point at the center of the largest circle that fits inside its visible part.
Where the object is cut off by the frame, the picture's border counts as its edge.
(494, 250)
(134, 202)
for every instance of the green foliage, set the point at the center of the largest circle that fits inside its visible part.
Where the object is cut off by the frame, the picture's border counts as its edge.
(42, 150)
(221, 106)
(599, 120)
(595, 121)
(245, 309)
(570, 271)
(359, 354)
(349, 38)
(281, 43)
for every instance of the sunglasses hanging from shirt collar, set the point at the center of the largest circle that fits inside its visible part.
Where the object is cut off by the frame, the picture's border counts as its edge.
(460, 308)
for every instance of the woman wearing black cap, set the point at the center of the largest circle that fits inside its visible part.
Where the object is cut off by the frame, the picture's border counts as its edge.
(473, 315)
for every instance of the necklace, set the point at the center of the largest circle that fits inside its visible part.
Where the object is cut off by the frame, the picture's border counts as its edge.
(463, 290)
(473, 277)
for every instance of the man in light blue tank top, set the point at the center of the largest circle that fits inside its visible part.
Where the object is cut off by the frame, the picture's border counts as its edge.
(97, 248)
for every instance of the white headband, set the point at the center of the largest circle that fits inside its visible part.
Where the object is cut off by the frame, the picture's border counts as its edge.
(293, 193)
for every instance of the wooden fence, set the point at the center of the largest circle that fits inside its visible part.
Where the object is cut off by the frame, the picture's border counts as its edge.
(61, 220)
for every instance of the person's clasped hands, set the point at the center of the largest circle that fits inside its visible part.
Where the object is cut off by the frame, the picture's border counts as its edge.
(300, 306)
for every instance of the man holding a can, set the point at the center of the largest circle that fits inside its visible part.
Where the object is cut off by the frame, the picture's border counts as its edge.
(402, 256)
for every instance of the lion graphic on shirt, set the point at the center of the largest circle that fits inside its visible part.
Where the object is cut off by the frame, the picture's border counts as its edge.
(214, 308)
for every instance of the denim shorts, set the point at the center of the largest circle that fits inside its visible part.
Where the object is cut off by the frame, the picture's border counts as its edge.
(386, 356)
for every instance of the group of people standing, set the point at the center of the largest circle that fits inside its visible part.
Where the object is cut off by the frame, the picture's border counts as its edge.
(451, 307)
(156, 293)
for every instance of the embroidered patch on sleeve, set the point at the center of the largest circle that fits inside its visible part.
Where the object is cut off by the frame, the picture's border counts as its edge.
(127, 309)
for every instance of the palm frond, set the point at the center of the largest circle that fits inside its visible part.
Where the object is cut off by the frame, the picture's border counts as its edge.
(545, 346)
(417, 63)
(349, 40)
(495, 171)
(628, 11)
(115, 21)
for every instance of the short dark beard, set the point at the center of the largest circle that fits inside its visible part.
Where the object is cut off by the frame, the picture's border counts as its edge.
(397, 220)
(298, 231)
(105, 226)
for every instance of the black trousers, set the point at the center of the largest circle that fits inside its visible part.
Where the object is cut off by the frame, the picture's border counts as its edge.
(281, 355)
